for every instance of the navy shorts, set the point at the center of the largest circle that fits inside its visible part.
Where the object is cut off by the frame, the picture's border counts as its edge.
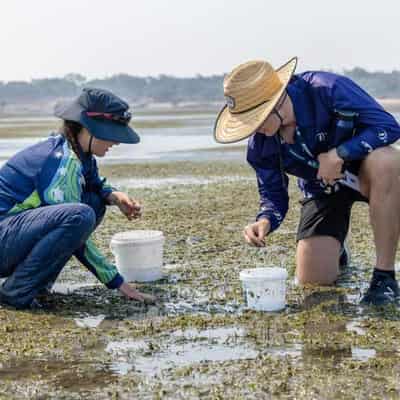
(328, 215)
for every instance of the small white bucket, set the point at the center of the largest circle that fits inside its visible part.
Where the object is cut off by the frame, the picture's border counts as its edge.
(265, 288)
(138, 254)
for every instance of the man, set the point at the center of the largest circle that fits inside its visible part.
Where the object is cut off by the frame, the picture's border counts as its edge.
(322, 128)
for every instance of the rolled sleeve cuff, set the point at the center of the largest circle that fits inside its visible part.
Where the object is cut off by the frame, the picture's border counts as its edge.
(116, 282)
(273, 220)
(105, 192)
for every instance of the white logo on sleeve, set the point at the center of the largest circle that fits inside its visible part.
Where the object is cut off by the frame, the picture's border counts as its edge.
(383, 136)
(278, 215)
(58, 195)
(63, 171)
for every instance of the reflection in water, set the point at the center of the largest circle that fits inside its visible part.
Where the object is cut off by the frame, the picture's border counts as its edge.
(183, 348)
(68, 288)
(361, 354)
(354, 326)
(72, 375)
(89, 321)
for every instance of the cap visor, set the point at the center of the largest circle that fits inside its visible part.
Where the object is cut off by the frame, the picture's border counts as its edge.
(109, 130)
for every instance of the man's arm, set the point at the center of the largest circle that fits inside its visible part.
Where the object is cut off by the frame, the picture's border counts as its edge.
(375, 127)
(272, 182)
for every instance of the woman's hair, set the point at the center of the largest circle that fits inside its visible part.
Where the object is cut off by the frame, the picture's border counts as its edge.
(70, 130)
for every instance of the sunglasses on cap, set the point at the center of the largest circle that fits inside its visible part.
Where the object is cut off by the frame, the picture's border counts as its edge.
(123, 119)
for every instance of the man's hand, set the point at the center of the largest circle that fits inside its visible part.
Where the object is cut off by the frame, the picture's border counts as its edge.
(133, 294)
(128, 206)
(255, 233)
(330, 167)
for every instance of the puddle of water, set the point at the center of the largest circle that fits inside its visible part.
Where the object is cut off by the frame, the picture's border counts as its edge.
(294, 351)
(121, 368)
(360, 354)
(354, 326)
(89, 321)
(353, 298)
(127, 345)
(223, 334)
(186, 347)
(181, 355)
(67, 288)
(183, 348)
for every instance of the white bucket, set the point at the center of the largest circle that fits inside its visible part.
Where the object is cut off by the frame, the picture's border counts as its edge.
(138, 254)
(265, 288)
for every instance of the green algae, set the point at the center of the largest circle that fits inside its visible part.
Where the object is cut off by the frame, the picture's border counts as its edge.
(323, 345)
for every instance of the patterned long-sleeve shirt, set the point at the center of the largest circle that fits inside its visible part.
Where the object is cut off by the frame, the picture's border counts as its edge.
(49, 173)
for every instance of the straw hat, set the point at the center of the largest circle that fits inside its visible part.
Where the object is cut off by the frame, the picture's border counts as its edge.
(251, 90)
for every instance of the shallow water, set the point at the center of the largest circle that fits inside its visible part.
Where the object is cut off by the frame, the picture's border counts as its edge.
(174, 181)
(160, 143)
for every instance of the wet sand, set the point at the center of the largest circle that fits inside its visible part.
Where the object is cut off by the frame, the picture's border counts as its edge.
(199, 340)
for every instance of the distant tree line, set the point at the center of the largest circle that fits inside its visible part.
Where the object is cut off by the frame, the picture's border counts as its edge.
(165, 88)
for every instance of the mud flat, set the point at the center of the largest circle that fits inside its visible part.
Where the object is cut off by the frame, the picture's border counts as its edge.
(199, 341)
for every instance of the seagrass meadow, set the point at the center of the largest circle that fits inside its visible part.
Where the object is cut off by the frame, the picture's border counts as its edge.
(199, 341)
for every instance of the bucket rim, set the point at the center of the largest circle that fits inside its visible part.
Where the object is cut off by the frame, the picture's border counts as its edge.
(263, 273)
(133, 236)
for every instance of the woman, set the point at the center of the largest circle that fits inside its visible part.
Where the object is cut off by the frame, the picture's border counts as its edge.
(52, 199)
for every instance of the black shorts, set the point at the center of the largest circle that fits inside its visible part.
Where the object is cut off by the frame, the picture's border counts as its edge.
(328, 215)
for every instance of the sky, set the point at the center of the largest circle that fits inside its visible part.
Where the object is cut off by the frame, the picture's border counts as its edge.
(98, 38)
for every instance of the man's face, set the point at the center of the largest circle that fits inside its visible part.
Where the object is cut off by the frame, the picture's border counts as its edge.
(270, 126)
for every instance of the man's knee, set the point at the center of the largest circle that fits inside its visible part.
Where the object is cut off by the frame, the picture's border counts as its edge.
(304, 279)
(318, 260)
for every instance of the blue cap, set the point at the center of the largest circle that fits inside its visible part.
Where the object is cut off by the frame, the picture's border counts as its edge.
(102, 113)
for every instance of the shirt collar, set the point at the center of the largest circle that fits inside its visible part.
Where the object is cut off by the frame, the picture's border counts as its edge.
(302, 103)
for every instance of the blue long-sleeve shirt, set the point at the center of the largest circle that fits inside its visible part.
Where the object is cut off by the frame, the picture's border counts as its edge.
(319, 98)
(47, 173)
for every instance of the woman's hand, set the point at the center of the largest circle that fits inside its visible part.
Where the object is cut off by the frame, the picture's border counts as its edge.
(330, 167)
(133, 294)
(255, 233)
(131, 208)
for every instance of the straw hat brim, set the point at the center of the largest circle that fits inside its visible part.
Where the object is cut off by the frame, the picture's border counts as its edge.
(231, 128)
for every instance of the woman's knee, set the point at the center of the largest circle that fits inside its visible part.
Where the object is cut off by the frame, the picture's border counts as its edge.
(80, 217)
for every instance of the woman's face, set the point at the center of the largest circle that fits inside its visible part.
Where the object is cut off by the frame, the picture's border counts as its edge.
(99, 147)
